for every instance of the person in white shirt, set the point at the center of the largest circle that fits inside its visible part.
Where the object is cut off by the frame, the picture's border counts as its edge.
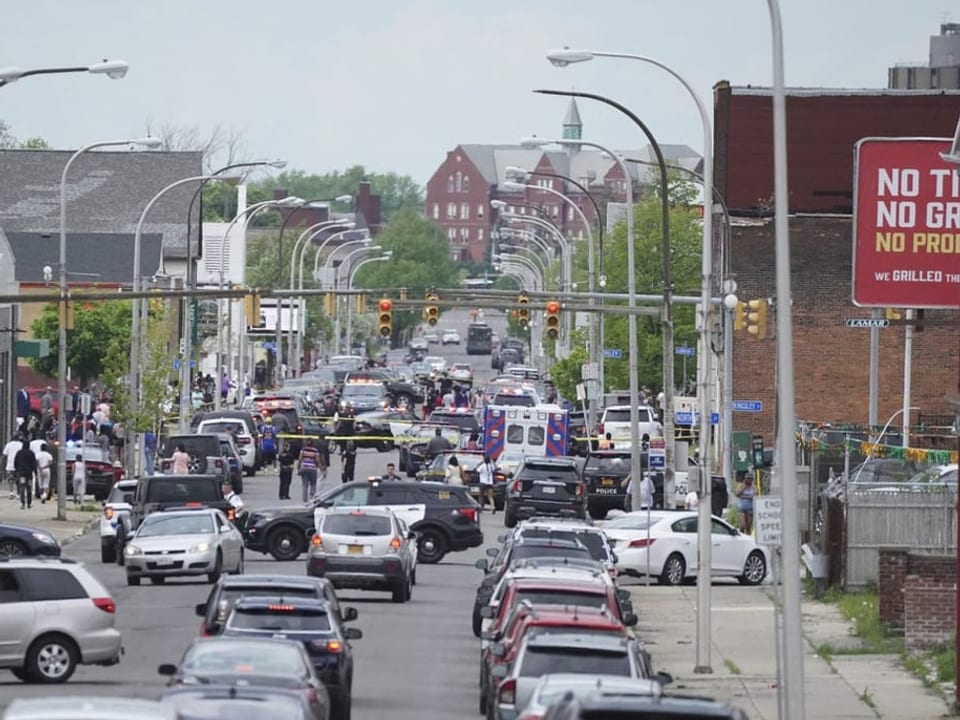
(646, 492)
(485, 476)
(449, 400)
(79, 480)
(10, 451)
(691, 501)
(44, 463)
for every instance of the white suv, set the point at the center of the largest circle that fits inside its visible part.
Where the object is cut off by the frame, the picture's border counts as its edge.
(54, 615)
(616, 421)
(116, 507)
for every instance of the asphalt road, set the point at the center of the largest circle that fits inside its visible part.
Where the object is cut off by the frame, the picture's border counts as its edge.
(417, 660)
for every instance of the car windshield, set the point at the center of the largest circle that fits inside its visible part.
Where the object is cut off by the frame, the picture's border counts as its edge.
(159, 524)
(593, 540)
(282, 618)
(363, 389)
(233, 658)
(539, 661)
(121, 495)
(514, 400)
(523, 551)
(357, 524)
(600, 465)
(622, 415)
(182, 489)
(560, 597)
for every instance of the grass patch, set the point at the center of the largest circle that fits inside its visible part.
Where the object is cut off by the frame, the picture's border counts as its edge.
(731, 666)
(933, 667)
(863, 610)
(867, 699)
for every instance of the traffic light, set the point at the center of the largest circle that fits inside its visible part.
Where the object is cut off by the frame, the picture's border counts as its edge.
(251, 308)
(330, 304)
(740, 316)
(386, 317)
(523, 314)
(553, 320)
(757, 317)
(432, 312)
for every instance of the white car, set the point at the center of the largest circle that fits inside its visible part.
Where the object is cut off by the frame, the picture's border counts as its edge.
(461, 372)
(669, 540)
(450, 337)
(117, 505)
(432, 338)
(246, 447)
(616, 421)
(436, 363)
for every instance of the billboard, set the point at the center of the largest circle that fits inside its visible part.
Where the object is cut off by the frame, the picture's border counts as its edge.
(906, 224)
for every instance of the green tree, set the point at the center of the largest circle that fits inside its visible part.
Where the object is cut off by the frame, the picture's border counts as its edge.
(35, 143)
(566, 373)
(7, 140)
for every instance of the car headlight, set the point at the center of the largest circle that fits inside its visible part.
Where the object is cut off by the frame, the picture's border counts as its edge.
(44, 538)
(131, 550)
(200, 547)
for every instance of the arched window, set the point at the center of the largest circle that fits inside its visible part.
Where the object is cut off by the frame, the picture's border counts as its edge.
(459, 185)
(466, 183)
(450, 184)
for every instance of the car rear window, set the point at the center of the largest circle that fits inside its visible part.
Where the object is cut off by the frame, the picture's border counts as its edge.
(582, 661)
(514, 400)
(623, 415)
(286, 618)
(49, 584)
(118, 495)
(616, 466)
(561, 597)
(356, 524)
(543, 471)
(222, 427)
(534, 551)
(592, 540)
(182, 489)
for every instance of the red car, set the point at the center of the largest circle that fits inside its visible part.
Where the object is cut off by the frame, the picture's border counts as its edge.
(35, 403)
(102, 472)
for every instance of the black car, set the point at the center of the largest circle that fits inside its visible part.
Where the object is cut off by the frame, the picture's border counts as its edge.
(603, 475)
(445, 518)
(19, 541)
(603, 705)
(545, 486)
(413, 449)
(463, 418)
(402, 393)
(230, 588)
(311, 622)
(376, 429)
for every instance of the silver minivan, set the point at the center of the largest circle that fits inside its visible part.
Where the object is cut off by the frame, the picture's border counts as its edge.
(54, 615)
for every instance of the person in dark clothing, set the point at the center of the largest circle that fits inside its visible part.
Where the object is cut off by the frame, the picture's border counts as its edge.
(287, 459)
(438, 444)
(349, 455)
(25, 467)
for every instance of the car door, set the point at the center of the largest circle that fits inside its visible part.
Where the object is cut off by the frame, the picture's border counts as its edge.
(726, 557)
(17, 616)
(682, 537)
(230, 541)
(404, 502)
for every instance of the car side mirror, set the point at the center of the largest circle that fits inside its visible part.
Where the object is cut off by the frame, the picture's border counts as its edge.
(492, 552)
(629, 619)
(353, 633)
(481, 564)
(200, 609)
(615, 558)
(486, 612)
(664, 678)
(350, 614)
(501, 538)
(167, 669)
(498, 671)
(497, 649)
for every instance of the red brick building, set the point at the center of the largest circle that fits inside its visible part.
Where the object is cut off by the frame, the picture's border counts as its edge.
(831, 361)
(460, 191)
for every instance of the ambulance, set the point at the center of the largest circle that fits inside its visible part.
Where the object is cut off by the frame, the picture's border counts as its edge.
(538, 431)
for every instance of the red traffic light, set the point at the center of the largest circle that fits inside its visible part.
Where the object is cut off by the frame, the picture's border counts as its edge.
(553, 307)
(386, 305)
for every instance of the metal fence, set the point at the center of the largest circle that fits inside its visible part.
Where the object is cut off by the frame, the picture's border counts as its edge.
(922, 518)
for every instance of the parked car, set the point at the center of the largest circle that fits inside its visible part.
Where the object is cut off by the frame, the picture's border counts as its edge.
(56, 616)
(21, 541)
(240, 701)
(72, 707)
(603, 474)
(557, 689)
(117, 506)
(243, 441)
(250, 421)
(204, 451)
(101, 471)
(635, 703)
(545, 486)
(616, 421)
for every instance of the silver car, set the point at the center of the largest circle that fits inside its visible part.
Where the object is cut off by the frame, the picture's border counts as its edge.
(364, 548)
(183, 542)
(88, 708)
(56, 615)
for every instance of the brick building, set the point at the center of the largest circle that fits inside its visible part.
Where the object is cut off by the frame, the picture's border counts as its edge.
(460, 191)
(831, 361)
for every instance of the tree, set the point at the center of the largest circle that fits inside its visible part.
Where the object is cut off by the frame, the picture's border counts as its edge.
(566, 373)
(7, 140)
(35, 143)
(221, 146)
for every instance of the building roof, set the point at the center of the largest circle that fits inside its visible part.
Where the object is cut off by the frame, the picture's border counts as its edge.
(835, 92)
(573, 114)
(91, 257)
(106, 193)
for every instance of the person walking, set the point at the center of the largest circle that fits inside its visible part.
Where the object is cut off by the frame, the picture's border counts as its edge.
(44, 463)
(25, 467)
(454, 473)
(308, 463)
(150, 451)
(349, 456)
(745, 495)
(79, 479)
(485, 476)
(287, 460)
(181, 461)
(268, 443)
(323, 447)
(10, 451)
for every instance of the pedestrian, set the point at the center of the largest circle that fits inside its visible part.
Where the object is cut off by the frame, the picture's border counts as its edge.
(485, 476)
(454, 473)
(44, 463)
(25, 467)
(79, 480)
(268, 443)
(307, 465)
(181, 461)
(606, 442)
(646, 492)
(287, 460)
(323, 447)
(474, 442)
(231, 496)
(10, 451)
(438, 444)
(692, 500)
(349, 456)
(391, 473)
(745, 495)
(150, 451)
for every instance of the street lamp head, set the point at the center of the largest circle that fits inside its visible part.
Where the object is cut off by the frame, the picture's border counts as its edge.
(498, 204)
(566, 56)
(148, 142)
(532, 142)
(343, 198)
(387, 254)
(9, 74)
(515, 172)
(276, 164)
(514, 185)
(113, 69)
(288, 201)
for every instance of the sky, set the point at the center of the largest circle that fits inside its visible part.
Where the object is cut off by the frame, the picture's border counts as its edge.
(395, 84)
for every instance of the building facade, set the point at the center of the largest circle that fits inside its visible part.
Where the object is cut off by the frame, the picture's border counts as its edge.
(941, 72)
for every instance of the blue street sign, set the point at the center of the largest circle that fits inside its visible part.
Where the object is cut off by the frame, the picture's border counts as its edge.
(613, 353)
(684, 350)
(685, 417)
(747, 406)
(269, 346)
(658, 461)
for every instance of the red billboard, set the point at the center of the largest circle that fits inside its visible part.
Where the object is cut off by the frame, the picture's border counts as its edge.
(906, 224)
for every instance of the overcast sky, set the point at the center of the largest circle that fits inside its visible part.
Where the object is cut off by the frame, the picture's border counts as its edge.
(395, 84)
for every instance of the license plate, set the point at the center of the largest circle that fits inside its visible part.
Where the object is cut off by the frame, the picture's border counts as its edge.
(354, 549)
(548, 490)
(606, 481)
(164, 562)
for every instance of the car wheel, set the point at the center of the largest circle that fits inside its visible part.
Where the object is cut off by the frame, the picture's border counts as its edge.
(240, 565)
(400, 592)
(133, 580)
(213, 576)
(197, 465)
(51, 659)
(477, 622)
(673, 570)
(510, 517)
(250, 471)
(12, 548)
(157, 579)
(431, 547)
(498, 504)
(483, 692)
(754, 569)
(341, 706)
(404, 401)
(108, 550)
(598, 513)
(284, 544)
(384, 446)
(21, 674)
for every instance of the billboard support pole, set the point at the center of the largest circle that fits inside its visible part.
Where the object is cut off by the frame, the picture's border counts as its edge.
(907, 375)
(874, 389)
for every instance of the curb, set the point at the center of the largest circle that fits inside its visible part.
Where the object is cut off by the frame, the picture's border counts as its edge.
(91, 524)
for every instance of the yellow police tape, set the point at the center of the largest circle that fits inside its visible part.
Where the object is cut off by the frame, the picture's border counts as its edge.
(388, 438)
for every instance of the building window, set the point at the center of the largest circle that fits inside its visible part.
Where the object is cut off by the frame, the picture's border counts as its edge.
(570, 212)
(451, 210)
(436, 211)
(450, 184)
(554, 210)
(465, 211)
(466, 183)
(479, 233)
(464, 234)
(451, 234)
(545, 183)
(523, 210)
(459, 181)
(479, 211)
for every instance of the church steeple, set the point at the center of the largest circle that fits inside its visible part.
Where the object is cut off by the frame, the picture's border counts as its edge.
(572, 125)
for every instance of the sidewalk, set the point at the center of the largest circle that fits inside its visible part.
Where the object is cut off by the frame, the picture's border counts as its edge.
(43, 516)
(744, 661)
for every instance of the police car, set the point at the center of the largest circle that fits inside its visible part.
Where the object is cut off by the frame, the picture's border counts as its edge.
(118, 504)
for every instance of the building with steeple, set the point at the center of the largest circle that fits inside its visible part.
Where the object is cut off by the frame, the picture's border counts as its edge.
(461, 189)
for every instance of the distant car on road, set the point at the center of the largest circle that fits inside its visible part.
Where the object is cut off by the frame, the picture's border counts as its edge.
(450, 337)
(432, 338)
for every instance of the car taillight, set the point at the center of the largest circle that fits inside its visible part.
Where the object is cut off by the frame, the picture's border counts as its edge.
(581, 489)
(108, 513)
(395, 543)
(642, 542)
(468, 512)
(499, 478)
(300, 429)
(193, 504)
(316, 539)
(106, 604)
(333, 646)
(243, 441)
(508, 692)
(517, 485)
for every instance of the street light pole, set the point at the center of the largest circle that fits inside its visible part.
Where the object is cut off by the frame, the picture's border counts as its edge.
(62, 328)
(113, 69)
(336, 277)
(386, 256)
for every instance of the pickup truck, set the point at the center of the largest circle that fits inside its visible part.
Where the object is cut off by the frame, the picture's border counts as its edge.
(616, 421)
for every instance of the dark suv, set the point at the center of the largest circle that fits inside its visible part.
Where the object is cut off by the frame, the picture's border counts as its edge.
(545, 486)
(603, 475)
(206, 457)
(445, 517)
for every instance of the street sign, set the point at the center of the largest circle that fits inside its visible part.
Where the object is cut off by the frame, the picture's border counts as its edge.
(747, 406)
(613, 353)
(905, 243)
(685, 417)
(768, 519)
(867, 322)
(657, 454)
(589, 371)
(685, 351)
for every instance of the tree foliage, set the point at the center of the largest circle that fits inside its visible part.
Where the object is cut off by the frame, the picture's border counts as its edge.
(566, 373)
(8, 140)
